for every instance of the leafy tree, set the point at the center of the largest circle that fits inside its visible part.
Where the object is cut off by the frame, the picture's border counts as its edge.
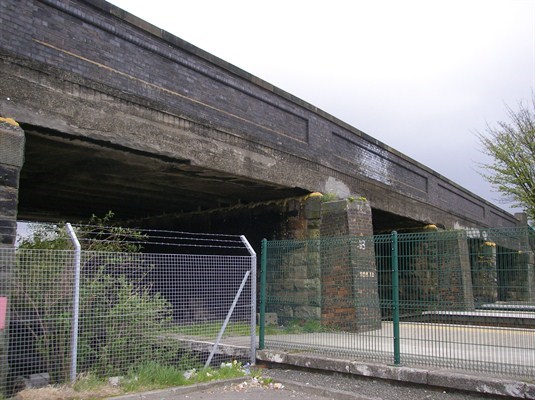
(512, 146)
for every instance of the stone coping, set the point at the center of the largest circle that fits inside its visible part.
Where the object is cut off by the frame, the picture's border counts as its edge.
(422, 376)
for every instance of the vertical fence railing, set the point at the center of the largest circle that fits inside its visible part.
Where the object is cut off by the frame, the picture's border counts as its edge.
(227, 319)
(253, 298)
(262, 322)
(395, 299)
(76, 301)
(451, 299)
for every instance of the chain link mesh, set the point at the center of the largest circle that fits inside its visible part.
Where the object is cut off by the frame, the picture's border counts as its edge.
(134, 307)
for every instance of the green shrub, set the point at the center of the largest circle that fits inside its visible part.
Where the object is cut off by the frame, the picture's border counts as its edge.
(120, 316)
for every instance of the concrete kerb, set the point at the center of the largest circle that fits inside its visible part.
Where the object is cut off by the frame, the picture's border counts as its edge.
(433, 377)
(478, 384)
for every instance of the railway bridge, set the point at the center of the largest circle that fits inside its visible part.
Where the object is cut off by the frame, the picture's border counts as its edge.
(112, 113)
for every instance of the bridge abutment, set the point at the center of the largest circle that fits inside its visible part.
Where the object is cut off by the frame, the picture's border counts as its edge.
(11, 160)
(332, 281)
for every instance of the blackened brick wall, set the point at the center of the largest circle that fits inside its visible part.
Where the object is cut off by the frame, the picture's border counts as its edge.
(350, 297)
(95, 41)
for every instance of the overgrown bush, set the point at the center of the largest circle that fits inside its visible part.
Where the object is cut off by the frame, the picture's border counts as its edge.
(121, 317)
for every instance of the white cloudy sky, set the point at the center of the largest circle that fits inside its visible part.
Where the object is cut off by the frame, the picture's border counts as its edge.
(421, 76)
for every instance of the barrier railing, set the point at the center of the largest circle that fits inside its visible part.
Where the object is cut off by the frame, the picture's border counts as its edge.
(455, 299)
(126, 298)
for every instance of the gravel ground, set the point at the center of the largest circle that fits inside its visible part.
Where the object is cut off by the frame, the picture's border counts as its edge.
(251, 392)
(369, 387)
(292, 384)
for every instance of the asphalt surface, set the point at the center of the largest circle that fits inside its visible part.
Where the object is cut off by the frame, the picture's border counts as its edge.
(369, 388)
(297, 384)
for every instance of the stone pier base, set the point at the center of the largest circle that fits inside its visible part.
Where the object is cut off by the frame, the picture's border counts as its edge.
(350, 298)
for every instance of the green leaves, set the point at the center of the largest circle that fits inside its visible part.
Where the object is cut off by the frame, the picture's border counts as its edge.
(512, 148)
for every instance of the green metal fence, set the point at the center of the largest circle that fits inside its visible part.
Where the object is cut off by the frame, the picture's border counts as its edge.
(456, 299)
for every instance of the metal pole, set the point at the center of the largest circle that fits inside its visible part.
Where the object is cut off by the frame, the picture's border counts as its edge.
(395, 297)
(253, 298)
(263, 268)
(229, 314)
(76, 301)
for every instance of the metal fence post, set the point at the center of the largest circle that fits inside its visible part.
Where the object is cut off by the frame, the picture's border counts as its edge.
(253, 297)
(395, 297)
(227, 319)
(262, 322)
(76, 301)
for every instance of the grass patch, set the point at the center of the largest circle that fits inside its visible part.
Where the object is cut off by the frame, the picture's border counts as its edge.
(145, 377)
(211, 329)
(296, 326)
(151, 376)
(88, 383)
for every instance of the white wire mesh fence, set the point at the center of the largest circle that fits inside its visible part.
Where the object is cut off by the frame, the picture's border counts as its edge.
(128, 306)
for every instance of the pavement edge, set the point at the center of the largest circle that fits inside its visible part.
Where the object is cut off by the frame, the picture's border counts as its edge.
(433, 377)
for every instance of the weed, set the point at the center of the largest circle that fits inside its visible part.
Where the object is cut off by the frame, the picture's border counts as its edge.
(147, 376)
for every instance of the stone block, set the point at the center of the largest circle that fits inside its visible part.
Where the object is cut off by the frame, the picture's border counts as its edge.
(298, 272)
(39, 380)
(313, 208)
(8, 201)
(297, 258)
(270, 318)
(11, 145)
(278, 357)
(307, 312)
(529, 391)
(412, 375)
(9, 176)
(313, 268)
(283, 312)
(319, 362)
(313, 233)
(307, 285)
(8, 231)
(481, 384)
(372, 370)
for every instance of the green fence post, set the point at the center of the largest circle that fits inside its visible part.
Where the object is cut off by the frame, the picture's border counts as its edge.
(395, 297)
(263, 265)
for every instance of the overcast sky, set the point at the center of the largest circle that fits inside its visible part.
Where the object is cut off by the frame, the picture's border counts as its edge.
(421, 76)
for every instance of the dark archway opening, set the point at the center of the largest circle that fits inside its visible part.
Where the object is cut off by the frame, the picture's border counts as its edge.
(68, 179)
(385, 222)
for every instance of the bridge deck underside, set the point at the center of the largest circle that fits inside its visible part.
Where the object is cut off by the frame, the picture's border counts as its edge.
(64, 178)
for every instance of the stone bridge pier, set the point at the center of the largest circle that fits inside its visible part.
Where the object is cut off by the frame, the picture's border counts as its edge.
(11, 160)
